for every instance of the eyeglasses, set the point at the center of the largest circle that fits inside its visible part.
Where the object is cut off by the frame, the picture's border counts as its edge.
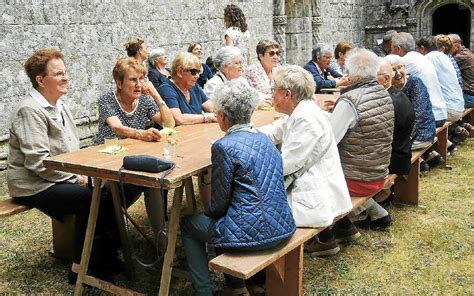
(274, 52)
(137, 80)
(60, 75)
(193, 71)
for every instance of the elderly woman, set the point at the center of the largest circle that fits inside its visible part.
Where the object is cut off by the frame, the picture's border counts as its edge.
(157, 71)
(228, 61)
(424, 130)
(248, 208)
(259, 75)
(314, 181)
(340, 53)
(127, 111)
(237, 33)
(206, 72)
(42, 126)
(323, 74)
(187, 101)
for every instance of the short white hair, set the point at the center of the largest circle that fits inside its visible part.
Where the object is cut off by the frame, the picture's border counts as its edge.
(404, 40)
(394, 59)
(236, 99)
(362, 64)
(225, 56)
(296, 79)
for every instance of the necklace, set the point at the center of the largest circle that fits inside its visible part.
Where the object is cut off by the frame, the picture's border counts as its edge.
(185, 92)
(125, 106)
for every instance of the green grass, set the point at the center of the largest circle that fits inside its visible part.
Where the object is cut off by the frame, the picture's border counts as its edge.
(429, 249)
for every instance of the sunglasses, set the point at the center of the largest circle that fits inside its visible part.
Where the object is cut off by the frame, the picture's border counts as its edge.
(274, 52)
(193, 72)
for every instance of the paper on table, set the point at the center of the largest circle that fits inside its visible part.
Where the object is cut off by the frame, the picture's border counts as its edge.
(168, 131)
(113, 150)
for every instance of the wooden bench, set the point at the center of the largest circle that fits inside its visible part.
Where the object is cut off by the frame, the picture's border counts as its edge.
(63, 233)
(284, 264)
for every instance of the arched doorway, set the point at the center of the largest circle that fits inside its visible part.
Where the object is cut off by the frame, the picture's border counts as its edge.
(453, 18)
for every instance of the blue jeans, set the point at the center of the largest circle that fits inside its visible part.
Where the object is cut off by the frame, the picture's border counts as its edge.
(468, 100)
(195, 232)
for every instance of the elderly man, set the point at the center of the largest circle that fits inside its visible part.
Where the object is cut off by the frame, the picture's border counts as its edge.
(385, 47)
(465, 60)
(447, 79)
(314, 180)
(323, 74)
(400, 159)
(363, 123)
(403, 44)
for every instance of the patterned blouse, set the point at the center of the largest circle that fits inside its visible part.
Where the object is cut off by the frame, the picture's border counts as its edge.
(139, 118)
(424, 129)
(458, 71)
(258, 79)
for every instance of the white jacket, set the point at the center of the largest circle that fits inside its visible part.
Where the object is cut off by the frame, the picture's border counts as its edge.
(319, 193)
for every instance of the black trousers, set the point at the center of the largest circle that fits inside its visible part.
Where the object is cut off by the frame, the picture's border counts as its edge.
(64, 199)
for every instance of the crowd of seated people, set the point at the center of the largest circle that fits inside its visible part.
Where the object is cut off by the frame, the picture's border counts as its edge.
(314, 159)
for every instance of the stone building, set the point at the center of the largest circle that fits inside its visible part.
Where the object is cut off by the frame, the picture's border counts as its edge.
(91, 35)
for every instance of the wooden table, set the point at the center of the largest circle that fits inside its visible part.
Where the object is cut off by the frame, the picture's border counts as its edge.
(192, 156)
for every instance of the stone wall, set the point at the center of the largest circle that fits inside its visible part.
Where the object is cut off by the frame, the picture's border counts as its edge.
(343, 20)
(91, 35)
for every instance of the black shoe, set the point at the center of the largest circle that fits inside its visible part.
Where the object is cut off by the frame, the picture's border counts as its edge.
(380, 224)
(424, 167)
(388, 200)
(435, 161)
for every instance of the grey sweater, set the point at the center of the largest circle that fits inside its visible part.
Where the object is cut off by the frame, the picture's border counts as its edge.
(35, 135)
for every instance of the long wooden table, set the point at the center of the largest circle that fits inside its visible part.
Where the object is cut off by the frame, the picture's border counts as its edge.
(192, 156)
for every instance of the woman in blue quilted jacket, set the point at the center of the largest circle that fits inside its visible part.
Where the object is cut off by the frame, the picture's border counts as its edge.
(248, 209)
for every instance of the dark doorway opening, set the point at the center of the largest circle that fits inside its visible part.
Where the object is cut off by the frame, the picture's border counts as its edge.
(453, 18)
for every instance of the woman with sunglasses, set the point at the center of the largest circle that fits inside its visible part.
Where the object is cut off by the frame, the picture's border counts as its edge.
(259, 75)
(205, 71)
(187, 101)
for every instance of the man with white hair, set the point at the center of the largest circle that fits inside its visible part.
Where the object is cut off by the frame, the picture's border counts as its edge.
(403, 44)
(319, 66)
(363, 123)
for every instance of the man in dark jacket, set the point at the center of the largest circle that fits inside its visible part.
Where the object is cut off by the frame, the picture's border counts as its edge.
(465, 59)
(400, 159)
(385, 47)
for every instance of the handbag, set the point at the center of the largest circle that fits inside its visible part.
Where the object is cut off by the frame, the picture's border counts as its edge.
(151, 164)
(146, 163)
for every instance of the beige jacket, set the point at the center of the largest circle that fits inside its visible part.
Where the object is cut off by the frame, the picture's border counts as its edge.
(35, 134)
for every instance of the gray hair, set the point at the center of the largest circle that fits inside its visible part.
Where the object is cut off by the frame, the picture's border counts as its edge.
(455, 38)
(404, 40)
(319, 50)
(393, 58)
(296, 79)
(385, 67)
(225, 56)
(387, 37)
(155, 53)
(236, 99)
(362, 64)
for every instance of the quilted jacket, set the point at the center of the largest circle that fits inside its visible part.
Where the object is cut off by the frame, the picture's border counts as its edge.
(248, 195)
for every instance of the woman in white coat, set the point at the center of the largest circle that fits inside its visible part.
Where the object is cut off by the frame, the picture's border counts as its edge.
(315, 184)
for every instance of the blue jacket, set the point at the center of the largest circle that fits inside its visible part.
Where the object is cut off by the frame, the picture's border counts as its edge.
(156, 77)
(322, 82)
(248, 194)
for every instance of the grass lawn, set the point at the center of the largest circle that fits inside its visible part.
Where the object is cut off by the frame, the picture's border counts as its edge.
(429, 249)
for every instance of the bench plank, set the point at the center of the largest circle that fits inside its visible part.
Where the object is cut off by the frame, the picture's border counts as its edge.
(229, 263)
(9, 208)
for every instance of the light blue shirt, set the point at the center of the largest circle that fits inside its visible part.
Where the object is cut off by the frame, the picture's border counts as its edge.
(452, 92)
(420, 66)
